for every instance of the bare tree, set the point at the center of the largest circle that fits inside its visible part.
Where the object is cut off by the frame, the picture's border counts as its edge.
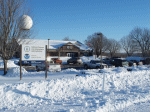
(10, 28)
(127, 45)
(68, 39)
(94, 41)
(141, 40)
(113, 47)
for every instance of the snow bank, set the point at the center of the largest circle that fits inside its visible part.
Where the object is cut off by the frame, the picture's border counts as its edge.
(15, 72)
(64, 59)
(10, 63)
(123, 90)
(83, 93)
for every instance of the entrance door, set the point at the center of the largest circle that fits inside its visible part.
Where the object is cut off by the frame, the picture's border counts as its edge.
(68, 54)
(71, 54)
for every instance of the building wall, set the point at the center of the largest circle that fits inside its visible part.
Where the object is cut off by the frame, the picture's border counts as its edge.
(52, 54)
(69, 48)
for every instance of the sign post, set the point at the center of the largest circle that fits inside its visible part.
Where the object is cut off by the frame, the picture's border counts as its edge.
(46, 63)
(32, 54)
(20, 61)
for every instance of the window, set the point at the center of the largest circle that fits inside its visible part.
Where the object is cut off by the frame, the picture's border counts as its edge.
(69, 47)
(71, 54)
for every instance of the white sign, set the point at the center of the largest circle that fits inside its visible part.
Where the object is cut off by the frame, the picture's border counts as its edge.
(33, 53)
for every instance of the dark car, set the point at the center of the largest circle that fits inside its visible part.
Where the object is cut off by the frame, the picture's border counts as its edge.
(119, 62)
(74, 60)
(106, 61)
(147, 61)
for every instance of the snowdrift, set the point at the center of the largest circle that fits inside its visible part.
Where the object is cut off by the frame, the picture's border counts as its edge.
(123, 90)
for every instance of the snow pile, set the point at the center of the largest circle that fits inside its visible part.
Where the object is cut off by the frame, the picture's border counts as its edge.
(74, 90)
(123, 90)
(64, 59)
(15, 72)
(71, 71)
(10, 63)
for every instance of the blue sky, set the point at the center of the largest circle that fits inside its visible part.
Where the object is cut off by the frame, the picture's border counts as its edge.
(76, 19)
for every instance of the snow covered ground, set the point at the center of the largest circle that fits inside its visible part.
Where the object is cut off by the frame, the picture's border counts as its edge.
(124, 91)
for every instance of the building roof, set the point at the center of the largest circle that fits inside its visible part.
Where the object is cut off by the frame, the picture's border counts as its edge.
(53, 44)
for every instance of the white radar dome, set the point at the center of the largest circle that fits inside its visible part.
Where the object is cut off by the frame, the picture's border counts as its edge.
(26, 22)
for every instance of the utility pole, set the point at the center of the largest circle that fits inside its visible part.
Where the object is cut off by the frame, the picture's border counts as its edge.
(48, 44)
(101, 50)
(100, 34)
(46, 63)
(101, 65)
(20, 62)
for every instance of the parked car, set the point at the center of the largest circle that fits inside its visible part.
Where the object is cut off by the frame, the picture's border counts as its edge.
(106, 61)
(119, 62)
(147, 61)
(51, 66)
(74, 60)
(56, 60)
(95, 64)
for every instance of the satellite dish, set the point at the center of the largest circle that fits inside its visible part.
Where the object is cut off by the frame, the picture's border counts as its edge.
(26, 22)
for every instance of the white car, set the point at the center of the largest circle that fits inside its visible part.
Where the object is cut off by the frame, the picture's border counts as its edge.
(95, 64)
(51, 66)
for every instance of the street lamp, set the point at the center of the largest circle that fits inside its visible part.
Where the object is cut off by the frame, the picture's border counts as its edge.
(48, 44)
(88, 53)
(101, 66)
(48, 50)
(100, 34)
(48, 47)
